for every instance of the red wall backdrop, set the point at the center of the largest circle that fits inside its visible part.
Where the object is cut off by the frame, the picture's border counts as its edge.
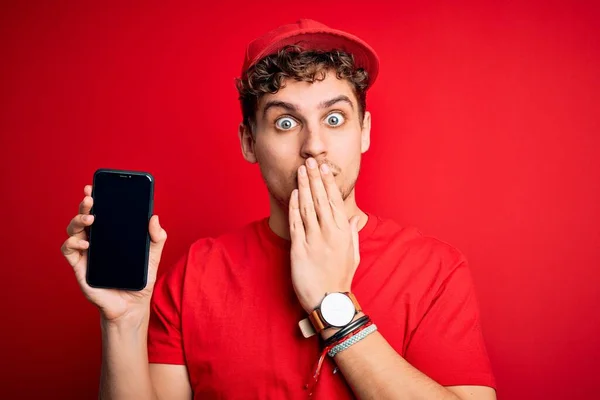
(485, 134)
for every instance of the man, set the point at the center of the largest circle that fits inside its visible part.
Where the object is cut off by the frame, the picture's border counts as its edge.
(229, 320)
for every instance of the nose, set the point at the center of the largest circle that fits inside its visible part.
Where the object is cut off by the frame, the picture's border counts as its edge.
(313, 144)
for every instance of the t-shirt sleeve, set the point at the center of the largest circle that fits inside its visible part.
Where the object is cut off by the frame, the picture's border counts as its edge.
(448, 344)
(165, 341)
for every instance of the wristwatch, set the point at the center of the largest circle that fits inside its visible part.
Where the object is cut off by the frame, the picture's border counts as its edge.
(336, 310)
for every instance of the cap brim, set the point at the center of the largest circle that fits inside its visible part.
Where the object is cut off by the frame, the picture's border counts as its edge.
(319, 39)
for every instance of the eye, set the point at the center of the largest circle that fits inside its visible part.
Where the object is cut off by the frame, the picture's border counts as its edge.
(335, 119)
(285, 123)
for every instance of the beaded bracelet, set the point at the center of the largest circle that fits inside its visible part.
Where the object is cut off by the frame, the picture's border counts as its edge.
(352, 340)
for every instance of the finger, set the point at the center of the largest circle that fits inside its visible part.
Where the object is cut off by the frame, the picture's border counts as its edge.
(86, 205)
(355, 239)
(87, 190)
(297, 233)
(78, 224)
(307, 208)
(158, 237)
(72, 249)
(336, 203)
(319, 194)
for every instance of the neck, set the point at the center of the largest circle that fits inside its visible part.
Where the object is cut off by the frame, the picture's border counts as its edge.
(279, 221)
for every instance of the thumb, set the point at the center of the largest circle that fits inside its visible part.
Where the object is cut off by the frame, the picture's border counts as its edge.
(158, 237)
(355, 239)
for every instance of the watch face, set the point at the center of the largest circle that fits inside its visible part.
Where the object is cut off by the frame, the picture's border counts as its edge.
(337, 309)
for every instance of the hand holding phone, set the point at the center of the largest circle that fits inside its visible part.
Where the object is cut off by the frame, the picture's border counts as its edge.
(121, 294)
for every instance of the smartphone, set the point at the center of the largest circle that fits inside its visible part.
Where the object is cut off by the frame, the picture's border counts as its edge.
(119, 238)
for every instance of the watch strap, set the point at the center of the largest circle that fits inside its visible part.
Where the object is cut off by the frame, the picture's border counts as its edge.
(317, 320)
(354, 301)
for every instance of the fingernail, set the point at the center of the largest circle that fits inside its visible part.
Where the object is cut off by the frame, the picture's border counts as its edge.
(324, 168)
(302, 170)
(86, 218)
(311, 163)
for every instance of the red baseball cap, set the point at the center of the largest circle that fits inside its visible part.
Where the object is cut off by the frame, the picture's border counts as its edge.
(313, 35)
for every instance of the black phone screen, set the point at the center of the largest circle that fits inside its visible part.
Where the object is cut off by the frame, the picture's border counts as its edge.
(119, 237)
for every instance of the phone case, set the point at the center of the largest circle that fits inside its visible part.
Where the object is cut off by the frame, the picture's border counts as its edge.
(151, 211)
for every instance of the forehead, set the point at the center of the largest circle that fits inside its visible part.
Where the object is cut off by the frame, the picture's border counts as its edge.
(309, 95)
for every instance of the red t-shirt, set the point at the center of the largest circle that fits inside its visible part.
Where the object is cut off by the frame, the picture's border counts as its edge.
(228, 311)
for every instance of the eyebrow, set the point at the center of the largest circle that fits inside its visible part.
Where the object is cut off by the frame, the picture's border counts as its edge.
(281, 104)
(293, 108)
(340, 98)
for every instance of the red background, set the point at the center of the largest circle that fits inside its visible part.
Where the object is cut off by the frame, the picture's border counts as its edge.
(485, 134)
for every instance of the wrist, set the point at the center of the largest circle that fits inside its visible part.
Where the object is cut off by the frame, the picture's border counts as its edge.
(329, 332)
(130, 321)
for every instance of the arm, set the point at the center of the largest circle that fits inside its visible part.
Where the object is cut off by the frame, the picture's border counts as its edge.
(170, 381)
(446, 348)
(374, 370)
(126, 373)
(324, 257)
